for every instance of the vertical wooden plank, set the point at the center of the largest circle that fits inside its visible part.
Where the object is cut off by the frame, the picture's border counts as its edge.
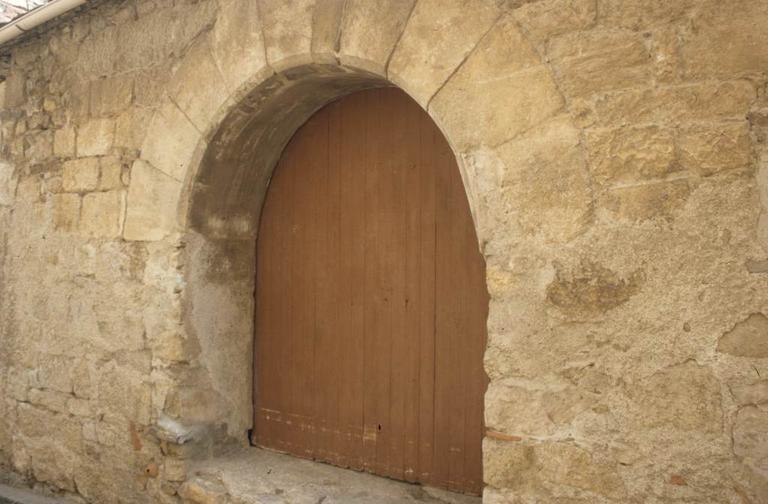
(427, 308)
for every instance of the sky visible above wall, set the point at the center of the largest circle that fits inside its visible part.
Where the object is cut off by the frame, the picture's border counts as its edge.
(11, 9)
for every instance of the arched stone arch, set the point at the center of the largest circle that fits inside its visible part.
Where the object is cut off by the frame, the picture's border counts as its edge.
(242, 89)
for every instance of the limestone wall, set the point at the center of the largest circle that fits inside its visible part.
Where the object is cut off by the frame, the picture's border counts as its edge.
(614, 155)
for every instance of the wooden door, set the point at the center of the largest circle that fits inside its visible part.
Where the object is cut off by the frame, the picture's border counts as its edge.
(370, 301)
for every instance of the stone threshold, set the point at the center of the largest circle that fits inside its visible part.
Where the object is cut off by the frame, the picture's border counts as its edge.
(11, 495)
(257, 476)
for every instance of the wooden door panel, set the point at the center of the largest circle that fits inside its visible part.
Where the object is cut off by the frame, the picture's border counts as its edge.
(370, 299)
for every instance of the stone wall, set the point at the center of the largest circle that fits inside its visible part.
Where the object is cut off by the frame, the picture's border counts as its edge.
(615, 158)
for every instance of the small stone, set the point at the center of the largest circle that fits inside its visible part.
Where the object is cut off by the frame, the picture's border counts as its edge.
(678, 480)
(748, 338)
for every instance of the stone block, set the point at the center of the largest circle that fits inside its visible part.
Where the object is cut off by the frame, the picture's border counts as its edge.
(685, 397)
(110, 95)
(631, 154)
(710, 149)
(7, 183)
(639, 15)
(369, 32)
(645, 201)
(468, 108)
(170, 141)
(199, 103)
(153, 198)
(66, 211)
(38, 146)
(131, 127)
(421, 61)
(287, 30)
(548, 18)
(64, 142)
(597, 61)
(238, 42)
(750, 436)
(326, 29)
(81, 174)
(102, 214)
(111, 173)
(672, 104)
(748, 338)
(750, 393)
(95, 137)
(727, 45)
(546, 179)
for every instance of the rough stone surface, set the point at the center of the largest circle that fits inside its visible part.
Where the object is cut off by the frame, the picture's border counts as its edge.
(615, 157)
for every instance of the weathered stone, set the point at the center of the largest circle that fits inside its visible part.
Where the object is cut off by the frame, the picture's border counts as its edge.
(7, 183)
(467, 107)
(674, 103)
(326, 29)
(66, 211)
(111, 173)
(38, 146)
(152, 200)
(287, 30)
(600, 60)
(170, 141)
(546, 178)
(421, 62)
(548, 18)
(592, 289)
(750, 436)
(64, 142)
(641, 14)
(238, 42)
(726, 45)
(111, 95)
(645, 201)
(752, 393)
(748, 338)
(631, 154)
(131, 127)
(81, 174)
(102, 214)
(199, 104)
(95, 137)
(709, 150)
(369, 32)
(685, 397)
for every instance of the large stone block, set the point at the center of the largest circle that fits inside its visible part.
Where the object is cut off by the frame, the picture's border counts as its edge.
(238, 42)
(287, 30)
(170, 141)
(95, 137)
(600, 60)
(685, 397)
(422, 61)
(153, 198)
(712, 149)
(750, 436)
(727, 43)
(102, 214)
(546, 185)
(64, 142)
(81, 174)
(66, 212)
(644, 201)
(200, 100)
(7, 183)
(548, 18)
(631, 154)
(111, 95)
(499, 91)
(326, 29)
(370, 30)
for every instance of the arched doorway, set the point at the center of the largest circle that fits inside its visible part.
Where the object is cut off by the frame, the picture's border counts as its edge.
(370, 298)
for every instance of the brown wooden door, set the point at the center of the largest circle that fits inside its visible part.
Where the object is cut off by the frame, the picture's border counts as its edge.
(371, 299)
